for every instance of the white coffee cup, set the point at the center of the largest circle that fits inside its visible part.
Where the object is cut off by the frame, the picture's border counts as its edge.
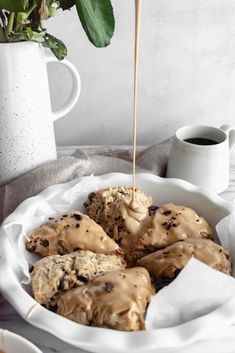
(207, 165)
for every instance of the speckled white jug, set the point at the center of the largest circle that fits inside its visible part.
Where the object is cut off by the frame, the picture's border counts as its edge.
(26, 119)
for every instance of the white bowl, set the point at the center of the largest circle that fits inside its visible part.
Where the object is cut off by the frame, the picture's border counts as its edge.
(64, 197)
(12, 343)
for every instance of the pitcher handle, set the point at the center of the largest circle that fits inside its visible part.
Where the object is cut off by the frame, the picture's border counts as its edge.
(73, 98)
(230, 131)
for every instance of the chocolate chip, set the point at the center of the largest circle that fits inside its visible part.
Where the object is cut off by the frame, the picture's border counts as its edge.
(197, 220)
(64, 215)
(53, 308)
(31, 248)
(91, 196)
(117, 218)
(152, 210)
(174, 225)
(165, 252)
(31, 268)
(82, 279)
(78, 217)
(61, 249)
(86, 204)
(64, 284)
(174, 218)
(44, 243)
(167, 212)
(50, 218)
(164, 223)
(109, 286)
(160, 282)
(76, 249)
(77, 225)
(168, 227)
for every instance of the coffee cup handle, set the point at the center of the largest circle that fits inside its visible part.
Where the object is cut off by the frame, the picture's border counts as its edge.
(72, 100)
(230, 131)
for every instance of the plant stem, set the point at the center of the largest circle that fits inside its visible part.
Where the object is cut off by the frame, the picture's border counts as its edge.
(10, 22)
(2, 35)
(31, 9)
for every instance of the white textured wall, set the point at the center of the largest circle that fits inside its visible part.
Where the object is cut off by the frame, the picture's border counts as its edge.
(187, 72)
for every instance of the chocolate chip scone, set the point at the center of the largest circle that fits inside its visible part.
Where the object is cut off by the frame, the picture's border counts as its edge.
(171, 223)
(114, 210)
(115, 300)
(53, 275)
(165, 264)
(68, 233)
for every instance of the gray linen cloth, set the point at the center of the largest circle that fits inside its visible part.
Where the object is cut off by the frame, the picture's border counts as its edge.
(84, 161)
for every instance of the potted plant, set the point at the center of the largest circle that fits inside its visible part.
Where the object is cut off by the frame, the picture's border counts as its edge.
(26, 120)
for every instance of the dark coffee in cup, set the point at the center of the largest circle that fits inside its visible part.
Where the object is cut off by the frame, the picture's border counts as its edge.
(201, 141)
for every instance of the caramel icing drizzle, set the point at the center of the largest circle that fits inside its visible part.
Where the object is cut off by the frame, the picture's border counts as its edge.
(136, 59)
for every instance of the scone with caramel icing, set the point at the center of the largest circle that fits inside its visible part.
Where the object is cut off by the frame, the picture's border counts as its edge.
(171, 223)
(115, 300)
(120, 217)
(165, 264)
(68, 233)
(56, 274)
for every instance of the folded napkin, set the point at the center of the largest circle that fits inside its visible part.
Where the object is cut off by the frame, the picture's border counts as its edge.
(199, 305)
(84, 161)
(198, 292)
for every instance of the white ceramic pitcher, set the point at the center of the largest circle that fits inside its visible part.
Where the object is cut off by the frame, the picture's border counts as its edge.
(26, 119)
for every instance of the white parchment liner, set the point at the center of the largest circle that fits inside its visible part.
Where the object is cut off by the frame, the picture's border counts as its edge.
(200, 303)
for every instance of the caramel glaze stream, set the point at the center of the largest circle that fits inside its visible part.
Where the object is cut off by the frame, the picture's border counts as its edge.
(136, 57)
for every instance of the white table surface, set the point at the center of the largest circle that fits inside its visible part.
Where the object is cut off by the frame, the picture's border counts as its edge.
(10, 320)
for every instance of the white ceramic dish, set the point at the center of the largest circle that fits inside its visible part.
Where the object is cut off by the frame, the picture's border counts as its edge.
(64, 197)
(12, 343)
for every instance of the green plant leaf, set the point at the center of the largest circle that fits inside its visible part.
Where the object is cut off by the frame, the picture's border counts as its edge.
(56, 45)
(13, 5)
(97, 19)
(67, 4)
(35, 36)
(51, 11)
(22, 18)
